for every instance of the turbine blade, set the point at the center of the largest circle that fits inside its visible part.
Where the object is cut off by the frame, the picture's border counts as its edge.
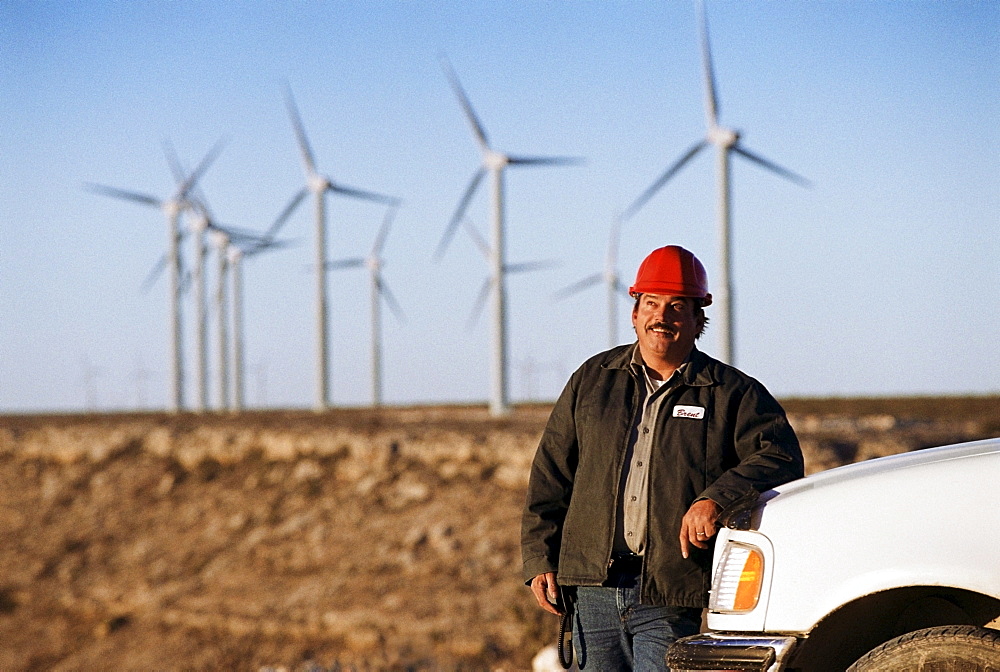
(619, 287)
(353, 262)
(711, 98)
(186, 282)
(578, 286)
(300, 132)
(154, 274)
(614, 236)
(123, 194)
(477, 309)
(390, 300)
(200, 203)
(528, 266)
(773, 167)
(193, 178)
(365, 195)
(477, 238)
(544, 160)
(449, 231)
(238, 235)
(267, 246)
(286, 213)
(383, 232)
(470, 114)
(660, 181)
(175, 165)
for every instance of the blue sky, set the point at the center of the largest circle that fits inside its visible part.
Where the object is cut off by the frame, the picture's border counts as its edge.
(882, 278)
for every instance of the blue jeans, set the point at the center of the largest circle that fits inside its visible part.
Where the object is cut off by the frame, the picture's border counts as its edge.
(612, 631)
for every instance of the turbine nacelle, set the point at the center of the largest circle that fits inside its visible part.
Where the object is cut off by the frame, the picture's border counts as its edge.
(220, 239)
(495, 160)
(726, 138)
(200, 224)
(317, 183)
(172, 208)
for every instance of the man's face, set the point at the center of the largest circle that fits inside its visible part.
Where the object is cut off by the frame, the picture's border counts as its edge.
(666, 326)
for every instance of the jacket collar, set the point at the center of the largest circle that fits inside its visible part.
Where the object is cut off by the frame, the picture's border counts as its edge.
(696, 374)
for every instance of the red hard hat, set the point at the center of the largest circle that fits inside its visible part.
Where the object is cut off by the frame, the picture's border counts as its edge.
(672, 271)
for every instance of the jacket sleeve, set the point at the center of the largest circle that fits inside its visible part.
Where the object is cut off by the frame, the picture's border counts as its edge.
(766, 448)
(550, 487)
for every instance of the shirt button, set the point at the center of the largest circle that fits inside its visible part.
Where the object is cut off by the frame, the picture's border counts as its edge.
(634, 498)
(645, 430)
(639, 464)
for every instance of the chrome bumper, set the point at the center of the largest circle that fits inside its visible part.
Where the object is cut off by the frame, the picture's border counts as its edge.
(729, 651)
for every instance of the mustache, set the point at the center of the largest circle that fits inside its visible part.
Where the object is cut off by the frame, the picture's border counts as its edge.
(659, 325)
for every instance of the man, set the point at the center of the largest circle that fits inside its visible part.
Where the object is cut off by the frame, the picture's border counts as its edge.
(645, 446)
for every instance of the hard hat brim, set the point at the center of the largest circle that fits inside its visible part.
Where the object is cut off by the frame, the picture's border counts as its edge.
(669, 290)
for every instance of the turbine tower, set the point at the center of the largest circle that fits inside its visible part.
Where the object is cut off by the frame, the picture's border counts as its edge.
(379, 291)
(612, 283)
(222, 241)
(172, 207)
(726, 140)
(250, 247)
(237, 254)
(495, 163)
(319, 185)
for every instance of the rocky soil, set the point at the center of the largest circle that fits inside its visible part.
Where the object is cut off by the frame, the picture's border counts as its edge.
(347, 540)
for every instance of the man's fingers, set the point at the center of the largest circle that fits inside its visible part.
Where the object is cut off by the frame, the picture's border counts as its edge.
(546, 592)
(698, 525)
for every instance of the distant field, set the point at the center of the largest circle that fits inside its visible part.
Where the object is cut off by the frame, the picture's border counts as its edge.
(980, 407)
(926, 408)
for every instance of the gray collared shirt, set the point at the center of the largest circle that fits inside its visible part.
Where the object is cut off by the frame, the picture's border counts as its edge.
(633, 487)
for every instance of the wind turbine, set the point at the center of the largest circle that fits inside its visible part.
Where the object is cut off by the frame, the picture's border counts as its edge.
(379, 291)
(232, 245)
(609, 276)
(172, 207)
(236, 255)
(200, 224)
(494, 162)
(224, 237)
(221, 241)
(238, 252)
(319, 185)
(726, 140)
(491, 281)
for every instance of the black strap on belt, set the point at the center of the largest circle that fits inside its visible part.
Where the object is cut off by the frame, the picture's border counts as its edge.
(565, 630)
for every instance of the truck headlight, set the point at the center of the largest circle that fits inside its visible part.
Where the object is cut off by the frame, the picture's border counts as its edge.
(738, 578)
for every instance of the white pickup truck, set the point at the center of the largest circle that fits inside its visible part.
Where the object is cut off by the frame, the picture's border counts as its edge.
(889, 564)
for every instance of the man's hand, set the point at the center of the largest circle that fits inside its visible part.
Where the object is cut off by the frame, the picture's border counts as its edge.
(546, 592)
(698, 525)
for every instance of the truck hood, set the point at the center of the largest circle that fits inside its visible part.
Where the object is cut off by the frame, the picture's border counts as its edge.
(876, 469)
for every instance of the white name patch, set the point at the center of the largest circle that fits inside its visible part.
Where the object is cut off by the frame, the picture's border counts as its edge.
(693, 412)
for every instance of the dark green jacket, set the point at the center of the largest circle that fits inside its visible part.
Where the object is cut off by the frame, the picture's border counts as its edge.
(743, 442)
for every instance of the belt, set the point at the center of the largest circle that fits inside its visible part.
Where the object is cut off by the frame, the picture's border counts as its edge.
(625, 562)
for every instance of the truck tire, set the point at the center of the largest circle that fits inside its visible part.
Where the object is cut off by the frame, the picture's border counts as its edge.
(951, 648)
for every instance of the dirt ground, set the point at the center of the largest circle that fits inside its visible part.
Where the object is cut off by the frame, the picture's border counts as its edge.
(346, 540)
